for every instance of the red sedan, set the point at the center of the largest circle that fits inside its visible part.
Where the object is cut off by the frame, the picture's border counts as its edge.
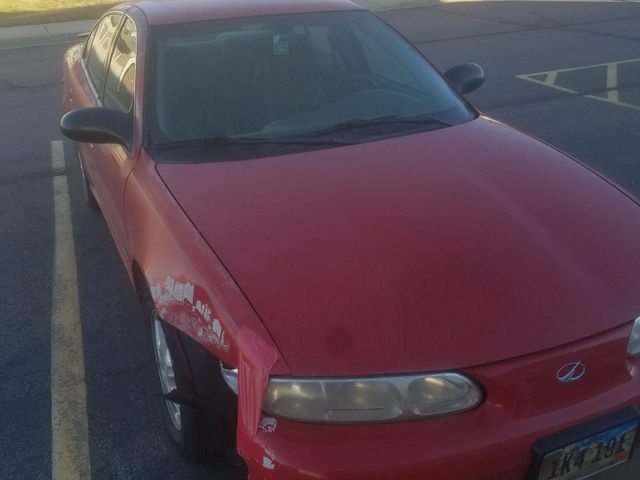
(347, 272)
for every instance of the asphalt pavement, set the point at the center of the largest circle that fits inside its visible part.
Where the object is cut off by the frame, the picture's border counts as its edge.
(568, 73)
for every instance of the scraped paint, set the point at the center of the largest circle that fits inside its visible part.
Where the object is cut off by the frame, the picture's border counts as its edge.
(193, 304)
(268, 424)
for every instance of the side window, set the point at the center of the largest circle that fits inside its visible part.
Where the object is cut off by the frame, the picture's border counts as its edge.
(101, 42)
(121, 74)
(87, 45)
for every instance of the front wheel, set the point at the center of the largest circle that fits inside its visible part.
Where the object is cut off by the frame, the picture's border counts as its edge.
(182, 364)
(181, 422)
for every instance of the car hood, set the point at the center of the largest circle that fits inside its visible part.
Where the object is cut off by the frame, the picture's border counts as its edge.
(438, 250)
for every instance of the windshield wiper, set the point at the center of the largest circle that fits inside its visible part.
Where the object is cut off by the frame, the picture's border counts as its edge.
(224, 141)
(387, 120)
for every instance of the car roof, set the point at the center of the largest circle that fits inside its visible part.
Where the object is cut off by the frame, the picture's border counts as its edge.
(163, 12)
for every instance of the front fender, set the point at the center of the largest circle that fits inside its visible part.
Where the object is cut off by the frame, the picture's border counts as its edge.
(190, 286)
(192, 291)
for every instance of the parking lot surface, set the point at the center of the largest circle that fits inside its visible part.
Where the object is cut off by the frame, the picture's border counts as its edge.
(567, 73)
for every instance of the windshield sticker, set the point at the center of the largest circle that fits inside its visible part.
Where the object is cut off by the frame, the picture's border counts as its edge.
(280, 45)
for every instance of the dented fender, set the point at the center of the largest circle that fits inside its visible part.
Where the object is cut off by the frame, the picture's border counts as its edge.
(192, 291)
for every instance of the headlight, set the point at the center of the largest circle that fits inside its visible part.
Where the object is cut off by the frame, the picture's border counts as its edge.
(634, 340)
(369, 400)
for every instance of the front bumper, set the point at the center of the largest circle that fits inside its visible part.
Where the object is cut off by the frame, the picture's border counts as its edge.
(493, 442)
(442, 449)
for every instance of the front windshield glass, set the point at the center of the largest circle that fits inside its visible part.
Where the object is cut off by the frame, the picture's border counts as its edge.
(344, 77)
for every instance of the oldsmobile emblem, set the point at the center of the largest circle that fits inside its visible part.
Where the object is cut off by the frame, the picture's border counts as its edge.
(571, 372)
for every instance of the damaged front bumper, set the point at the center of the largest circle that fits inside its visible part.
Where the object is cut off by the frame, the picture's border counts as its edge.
(480, 445)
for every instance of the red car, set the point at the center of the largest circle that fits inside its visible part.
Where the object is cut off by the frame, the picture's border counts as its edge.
(347, 272)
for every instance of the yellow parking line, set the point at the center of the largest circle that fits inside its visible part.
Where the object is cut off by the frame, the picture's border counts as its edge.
(57, 156)
(70, 438)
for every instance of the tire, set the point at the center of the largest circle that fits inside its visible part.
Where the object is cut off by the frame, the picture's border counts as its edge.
(209, 430)
(86, 187)
(182, 423)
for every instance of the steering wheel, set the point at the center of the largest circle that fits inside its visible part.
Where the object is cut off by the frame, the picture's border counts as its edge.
(346, 85)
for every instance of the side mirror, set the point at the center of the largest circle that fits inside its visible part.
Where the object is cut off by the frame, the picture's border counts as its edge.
(465, 78)
(98, 125)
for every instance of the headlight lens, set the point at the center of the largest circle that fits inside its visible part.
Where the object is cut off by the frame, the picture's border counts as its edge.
(369, 400)
(441, 394)
(634, 340)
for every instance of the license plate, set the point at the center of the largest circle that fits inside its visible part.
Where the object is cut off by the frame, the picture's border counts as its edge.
(590, 455)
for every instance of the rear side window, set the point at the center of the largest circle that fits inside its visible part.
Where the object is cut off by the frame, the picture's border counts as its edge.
(121, 74)
(101, 42)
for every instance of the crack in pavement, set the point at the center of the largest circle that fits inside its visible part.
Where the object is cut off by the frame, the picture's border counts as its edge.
(568, 27)
(29, 177)
(12, 86)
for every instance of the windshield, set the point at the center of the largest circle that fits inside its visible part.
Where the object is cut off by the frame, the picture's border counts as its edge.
(336, 78)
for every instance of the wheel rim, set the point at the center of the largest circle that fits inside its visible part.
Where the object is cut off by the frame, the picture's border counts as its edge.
(166, 372)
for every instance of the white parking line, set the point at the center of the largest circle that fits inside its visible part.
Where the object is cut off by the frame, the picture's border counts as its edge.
(69, 432)
(612, 82)
(612, 93)
(550, 79)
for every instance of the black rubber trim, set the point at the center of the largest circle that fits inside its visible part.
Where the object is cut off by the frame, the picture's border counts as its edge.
(209, 394)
